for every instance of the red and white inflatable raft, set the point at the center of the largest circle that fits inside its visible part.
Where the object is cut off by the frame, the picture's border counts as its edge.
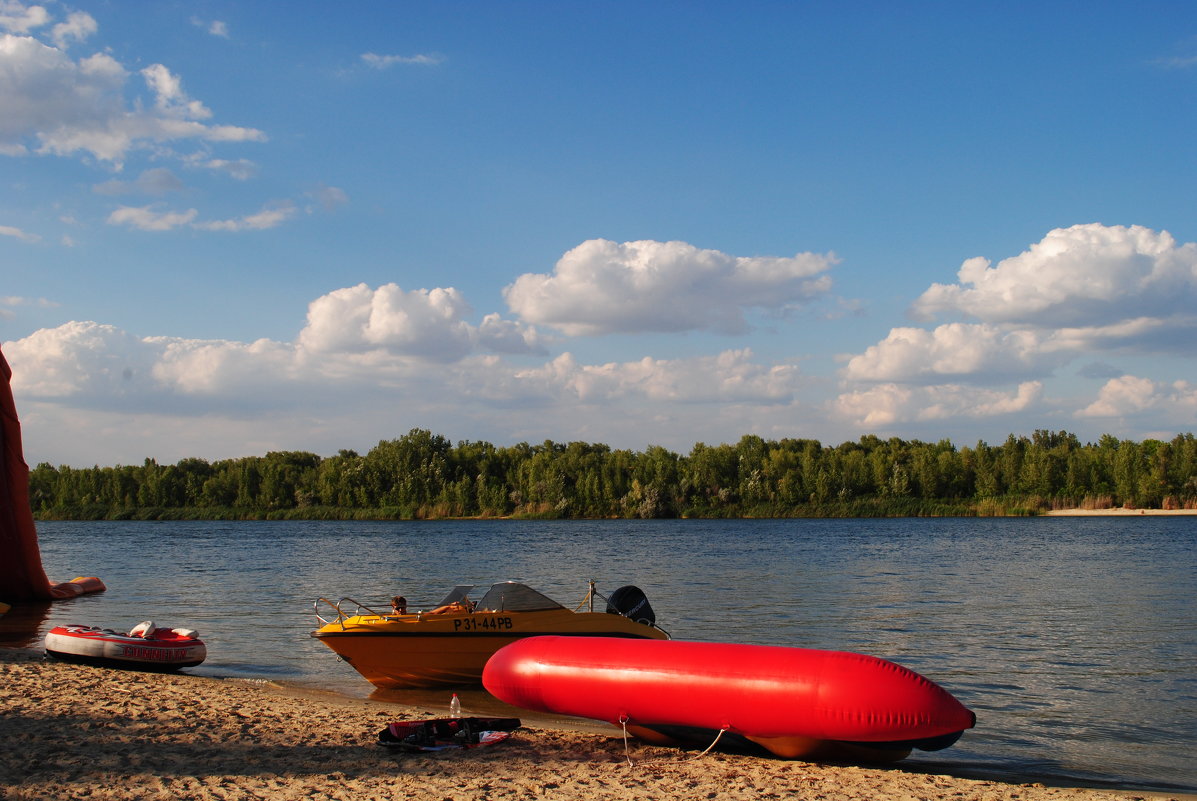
(145, 647)
(794, 702)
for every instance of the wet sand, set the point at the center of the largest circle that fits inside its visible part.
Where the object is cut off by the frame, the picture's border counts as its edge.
(77, 732)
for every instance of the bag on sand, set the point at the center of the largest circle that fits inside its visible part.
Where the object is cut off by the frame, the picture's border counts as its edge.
(440, 734)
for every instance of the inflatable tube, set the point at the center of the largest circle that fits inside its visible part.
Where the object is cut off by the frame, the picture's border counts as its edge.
(145, 647)
(22, 577)
(81, 585)
(790, 700)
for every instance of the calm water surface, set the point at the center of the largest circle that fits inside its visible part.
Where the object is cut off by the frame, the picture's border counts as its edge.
(1073, 639)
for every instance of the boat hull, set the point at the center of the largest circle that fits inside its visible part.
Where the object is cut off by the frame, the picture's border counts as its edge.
(795, 702)
(421, 651)
(94, 646)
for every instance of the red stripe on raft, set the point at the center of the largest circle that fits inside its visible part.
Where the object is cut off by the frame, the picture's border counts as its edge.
(756, 690)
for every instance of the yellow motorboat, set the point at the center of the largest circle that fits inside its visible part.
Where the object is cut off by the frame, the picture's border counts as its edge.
(449, 645)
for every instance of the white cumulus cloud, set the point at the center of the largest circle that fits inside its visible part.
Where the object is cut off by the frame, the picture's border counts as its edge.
(1130, 395)
(10, 302)
(216, 27)
(156, 181)
(423, 323)
(328, 197)
(497, 335)
(221, 367)
(145, 218)
(603, 287)
(17, 233)
(270, 217)
(887, 405)
(1086, 275)
(238, 169)
(169, 96)
(953, 350)
(88, 365)
(1078, 292)
(78, 26)
(387, 350)
(16, 17)
(16, 300)
(92, 393)
(382, 62)
(82, 358)
(57, 105)
(728, 376)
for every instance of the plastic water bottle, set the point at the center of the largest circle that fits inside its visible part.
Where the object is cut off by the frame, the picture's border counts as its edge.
(454, 706)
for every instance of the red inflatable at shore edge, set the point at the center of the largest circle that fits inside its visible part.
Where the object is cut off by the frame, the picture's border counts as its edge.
(794, 702)
(22, 577)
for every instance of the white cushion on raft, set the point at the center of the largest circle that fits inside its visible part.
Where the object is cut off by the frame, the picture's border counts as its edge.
(143, 629)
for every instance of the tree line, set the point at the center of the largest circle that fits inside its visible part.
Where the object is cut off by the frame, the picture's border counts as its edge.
(423, 475)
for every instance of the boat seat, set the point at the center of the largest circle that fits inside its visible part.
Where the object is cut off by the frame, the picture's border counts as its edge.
(143, 629)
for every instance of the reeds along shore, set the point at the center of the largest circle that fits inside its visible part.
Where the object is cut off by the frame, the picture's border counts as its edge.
(74, 732)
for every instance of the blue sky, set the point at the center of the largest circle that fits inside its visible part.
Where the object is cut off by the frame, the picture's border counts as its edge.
(229, 228)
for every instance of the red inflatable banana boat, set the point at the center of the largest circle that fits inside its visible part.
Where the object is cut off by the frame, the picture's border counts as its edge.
(795, 702)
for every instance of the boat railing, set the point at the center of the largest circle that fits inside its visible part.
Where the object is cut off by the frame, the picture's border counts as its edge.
(592, 593)
(342, 615)
(588, 601)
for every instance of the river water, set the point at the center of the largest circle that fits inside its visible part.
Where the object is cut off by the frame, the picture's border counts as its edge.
(1073, 639)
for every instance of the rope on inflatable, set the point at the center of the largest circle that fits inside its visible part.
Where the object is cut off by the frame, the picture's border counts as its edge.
(627, 753)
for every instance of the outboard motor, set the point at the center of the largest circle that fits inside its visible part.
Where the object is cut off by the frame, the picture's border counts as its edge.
(631, 602)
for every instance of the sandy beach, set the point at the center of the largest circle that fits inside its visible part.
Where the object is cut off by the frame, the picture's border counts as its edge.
(76, 732)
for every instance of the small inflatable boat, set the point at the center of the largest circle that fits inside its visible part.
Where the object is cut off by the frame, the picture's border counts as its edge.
(145, 647)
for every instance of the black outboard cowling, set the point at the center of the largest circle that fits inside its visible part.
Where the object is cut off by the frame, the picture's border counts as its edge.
(631, 602)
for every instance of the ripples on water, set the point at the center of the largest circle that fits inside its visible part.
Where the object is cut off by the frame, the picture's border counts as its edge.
(1073, 639)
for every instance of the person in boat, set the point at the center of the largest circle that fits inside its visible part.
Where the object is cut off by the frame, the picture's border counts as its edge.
(399, 605)
(462, 607)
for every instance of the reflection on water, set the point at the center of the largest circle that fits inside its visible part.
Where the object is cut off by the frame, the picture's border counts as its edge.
(21, 626)
(1074, 640)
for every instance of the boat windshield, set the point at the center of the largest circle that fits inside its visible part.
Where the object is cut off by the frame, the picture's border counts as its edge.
(511, 596)
(458, 593)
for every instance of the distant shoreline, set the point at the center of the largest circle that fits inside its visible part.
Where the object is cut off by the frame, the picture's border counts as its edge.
(1119, 512)
(1033, 512)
